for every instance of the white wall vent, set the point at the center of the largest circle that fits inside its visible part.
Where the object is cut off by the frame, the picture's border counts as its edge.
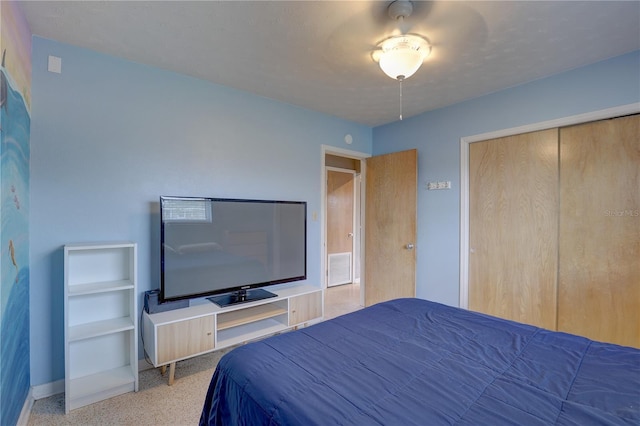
(339, 269)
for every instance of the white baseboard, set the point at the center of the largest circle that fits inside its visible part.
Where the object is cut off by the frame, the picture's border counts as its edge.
(48, 389)
(53, 388)
(143, 365)
(23, 420)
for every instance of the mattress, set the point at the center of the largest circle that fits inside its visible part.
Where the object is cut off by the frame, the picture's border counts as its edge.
(415, 362)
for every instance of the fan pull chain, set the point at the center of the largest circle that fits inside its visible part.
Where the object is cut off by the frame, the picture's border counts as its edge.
(400, 80)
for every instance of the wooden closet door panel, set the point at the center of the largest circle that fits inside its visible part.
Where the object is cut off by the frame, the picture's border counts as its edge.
(599, 277)
(513, 216)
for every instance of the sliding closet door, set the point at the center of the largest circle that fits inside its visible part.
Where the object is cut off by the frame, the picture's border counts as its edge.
(599, 276)
(513, 216)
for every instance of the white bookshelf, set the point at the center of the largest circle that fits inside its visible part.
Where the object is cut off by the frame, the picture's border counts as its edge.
(100, 322)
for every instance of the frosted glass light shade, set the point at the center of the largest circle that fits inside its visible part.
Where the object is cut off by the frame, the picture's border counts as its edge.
(400, 57)
(401, 63)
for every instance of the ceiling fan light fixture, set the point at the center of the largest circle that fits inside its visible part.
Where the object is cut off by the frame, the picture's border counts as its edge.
(401, 56)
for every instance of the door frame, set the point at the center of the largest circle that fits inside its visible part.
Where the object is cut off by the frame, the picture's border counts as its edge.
(356, 155)
(464, 173)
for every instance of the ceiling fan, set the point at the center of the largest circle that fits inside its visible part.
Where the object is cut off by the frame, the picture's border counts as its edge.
(396, 38)
(401, 55)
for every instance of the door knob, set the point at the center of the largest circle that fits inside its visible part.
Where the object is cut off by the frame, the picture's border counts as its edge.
(350, 234)
(409, 246)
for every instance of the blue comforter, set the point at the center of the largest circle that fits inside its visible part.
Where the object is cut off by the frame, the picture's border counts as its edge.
(415, 362)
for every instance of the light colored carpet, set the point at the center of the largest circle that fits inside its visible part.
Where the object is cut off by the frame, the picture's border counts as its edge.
(155, 403)
(341, 299)
(158, 404)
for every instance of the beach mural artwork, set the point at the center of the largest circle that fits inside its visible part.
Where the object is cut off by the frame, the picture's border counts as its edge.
(15, 122)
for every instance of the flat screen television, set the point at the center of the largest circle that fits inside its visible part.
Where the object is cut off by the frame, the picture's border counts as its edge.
(230, 248)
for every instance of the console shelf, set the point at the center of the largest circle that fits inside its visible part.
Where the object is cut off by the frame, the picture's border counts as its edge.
(180, 334)
(250, 331)
(244, 316)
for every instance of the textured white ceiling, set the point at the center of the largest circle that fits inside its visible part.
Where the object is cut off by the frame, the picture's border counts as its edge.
(317, 54)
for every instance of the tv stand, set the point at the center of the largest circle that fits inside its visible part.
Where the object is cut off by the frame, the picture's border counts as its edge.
(180, 334)
(241, 296)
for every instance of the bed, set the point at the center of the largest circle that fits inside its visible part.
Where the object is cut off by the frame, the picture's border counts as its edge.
(414, 362)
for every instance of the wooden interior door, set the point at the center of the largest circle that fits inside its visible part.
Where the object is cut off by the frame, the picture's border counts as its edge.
(340, 232)
(390, 226)
(513, 197)
(599, 276)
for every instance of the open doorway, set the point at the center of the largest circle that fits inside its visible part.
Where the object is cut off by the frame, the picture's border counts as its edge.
(386, 259)
(342, 234)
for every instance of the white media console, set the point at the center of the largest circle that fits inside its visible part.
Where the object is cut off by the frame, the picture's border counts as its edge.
(180, 334)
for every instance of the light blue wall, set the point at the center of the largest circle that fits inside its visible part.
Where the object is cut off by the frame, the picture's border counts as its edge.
(437, 136)
(110, 136)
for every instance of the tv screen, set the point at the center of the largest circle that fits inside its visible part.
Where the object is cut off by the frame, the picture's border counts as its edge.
(211, 246)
